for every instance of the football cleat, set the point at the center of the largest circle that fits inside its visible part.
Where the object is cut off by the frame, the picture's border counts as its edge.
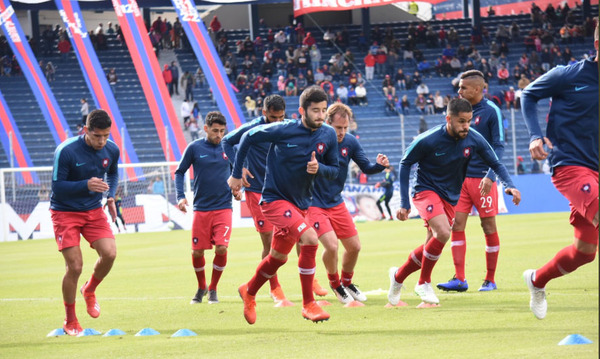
(317, 289)
(353, 290)
(537, 303)
(395, 287)
(454, 285)
(249, 303)
(199, 295)
(342, 295)
(425, 291)
(212, 297)
(312, 311)
(72, 328)
(93, 308)
(487, 286)
(277, 294)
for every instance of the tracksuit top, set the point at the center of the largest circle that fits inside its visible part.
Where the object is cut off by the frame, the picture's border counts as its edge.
(443, 161)
(75, 162)
(327, 193)
(573, 117)
(291, 147)
(211, 171)
(256, 159)
(487, 120)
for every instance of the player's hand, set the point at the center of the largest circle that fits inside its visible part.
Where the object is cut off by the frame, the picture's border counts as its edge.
(382, 160)
(402, 214)
(378, 184)
(237, 195)
(313, 165)
(515, 193)
(536, 148)
(112, 208)
(246, 173)
(182, 205)
(485, 186)
(96, 184)
(235, 184)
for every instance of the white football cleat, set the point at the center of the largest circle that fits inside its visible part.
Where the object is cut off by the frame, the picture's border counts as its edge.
(353, 290)
(395, 287)
(425, 291)
(342, 295)
(538, 303)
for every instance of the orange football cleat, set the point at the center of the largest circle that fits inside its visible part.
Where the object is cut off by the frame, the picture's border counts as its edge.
(318, 290)
(72, 328)
(93, 308)
(249, 304)
(312, 311)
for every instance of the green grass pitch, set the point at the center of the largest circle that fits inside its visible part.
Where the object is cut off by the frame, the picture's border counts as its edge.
(152, 283)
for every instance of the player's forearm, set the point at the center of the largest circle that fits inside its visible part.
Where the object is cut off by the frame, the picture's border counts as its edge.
(70, 188)
(404, 177)
(328, 171)
(113, 182)
(179, 193)
(529, 110)
(499, 150)
(372, 168)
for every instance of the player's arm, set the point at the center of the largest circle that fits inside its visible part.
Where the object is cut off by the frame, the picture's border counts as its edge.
(545, 86)
(364, 164)
(485, 150)
(62, 187)
(112, 178)
(233, 138)
(414, 153)
(184, 165)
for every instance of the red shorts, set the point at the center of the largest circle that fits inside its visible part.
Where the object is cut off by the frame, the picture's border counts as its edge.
(289, 224)
(69, 226)
(580, 186)
(211, 228)
(261, 224)
(470, 196)
(429, 204)
(336, 219)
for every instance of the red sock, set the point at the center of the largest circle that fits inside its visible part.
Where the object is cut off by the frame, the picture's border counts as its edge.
(307, 264)
(70, 311)
(334, 280)
(274, 282)
(198, 263)
(492, 247)
(459, 251)
(347, 278)
(91, 285)
(412, 264)
(265, 270)
(219, 263)
(431, 254)
(566, 261)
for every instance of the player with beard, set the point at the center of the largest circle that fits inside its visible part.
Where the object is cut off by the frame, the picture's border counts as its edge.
(300, 151)
(212, 202)
(328, 213)
(443, 155)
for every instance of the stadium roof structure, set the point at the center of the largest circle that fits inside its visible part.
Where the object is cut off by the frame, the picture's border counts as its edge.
(107, 4)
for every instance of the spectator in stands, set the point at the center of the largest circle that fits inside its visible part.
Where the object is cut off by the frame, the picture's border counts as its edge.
(524, 61)
(423, 89)
(420, 103)
(380, 60)
(310, 77)
(453, 37)
(405, 104)
(400, 79)
(200, 78)
(64, 46)
(361, 94)
(112, 79)
(502, 34)
(424, 67)
(187, 82)
(369, 66)
(250, 105)
(423, 127)
(186, 113)
(194, 130)
(247, 47)
(485, 68)
(475, 56)
(390, 62)
(352, 99)
(520, 167)
(455, 65)
(517, 72)
(430, 107)
(408, 57)
(50, 71)
(390, 105)
(438, 103)
(416, 79)
(280, 38)
(290, 87)
(503, 75)
(175, 77)
(315, 57)
(84, 110)
(523, 82)
(509, 98)
(342, 93)
(388, 86)
(80, 130)
(215, 25)
(168, 77)
(491, 11)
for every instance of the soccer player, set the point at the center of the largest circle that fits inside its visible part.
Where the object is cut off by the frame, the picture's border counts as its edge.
(328, 214)
(253, 175)
(212, 202)
(479, 188)
(572, 140)
(80, 164)
(388, 184)
(443, 155)
(300, 151)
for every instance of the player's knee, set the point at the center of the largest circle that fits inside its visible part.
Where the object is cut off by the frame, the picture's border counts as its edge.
(352, 246)
(74, 268)
(278, 255)
(221, 250)
(197, 253)
(443, 234)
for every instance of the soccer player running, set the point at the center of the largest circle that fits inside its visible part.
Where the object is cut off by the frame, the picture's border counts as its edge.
(212, 202)
(253, 175)
(80, 164)
(388, 184)
(300, 151)
(479, 188)
(572, 142)
(443, 155)
(328, 214)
